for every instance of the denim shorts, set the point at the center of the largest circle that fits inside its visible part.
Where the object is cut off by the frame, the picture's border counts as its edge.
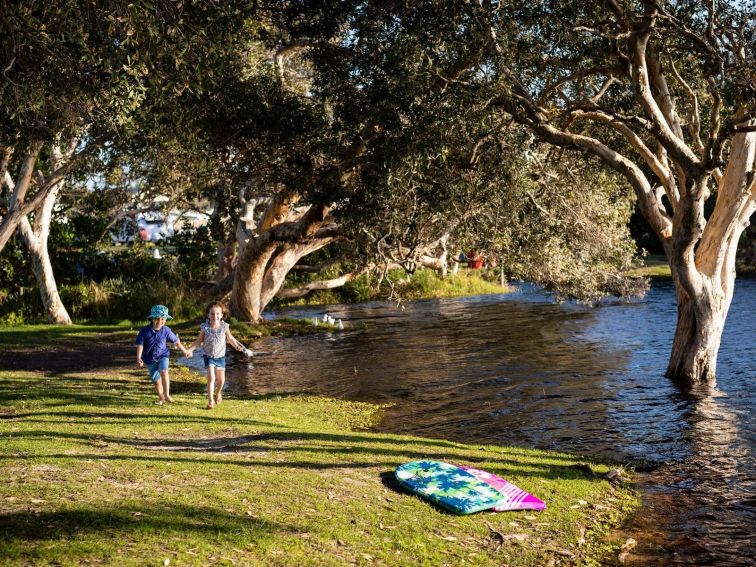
(217, 361)
(155, 368)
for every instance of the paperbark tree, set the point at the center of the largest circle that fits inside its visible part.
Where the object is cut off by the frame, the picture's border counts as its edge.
(35, 237)
(71, 67)
(278, 244)
(379, 133)
(662, 93)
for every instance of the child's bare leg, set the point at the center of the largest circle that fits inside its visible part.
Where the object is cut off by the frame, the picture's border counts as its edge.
(210, 386)
(221, 379)
(159, 390)
(165, 379)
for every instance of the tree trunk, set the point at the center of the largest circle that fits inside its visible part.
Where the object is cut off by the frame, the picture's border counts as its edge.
(700, 322)
(18, 192)
(56, 311)
(36, 243)
(269, 256)
(246, 297)
(226, 254)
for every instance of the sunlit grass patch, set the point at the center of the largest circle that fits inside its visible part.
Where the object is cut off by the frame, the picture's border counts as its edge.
(94, 472)
(654, 266)
(427, 284)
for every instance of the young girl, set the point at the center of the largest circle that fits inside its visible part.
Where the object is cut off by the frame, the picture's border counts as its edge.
(213, 336)
(152, 350)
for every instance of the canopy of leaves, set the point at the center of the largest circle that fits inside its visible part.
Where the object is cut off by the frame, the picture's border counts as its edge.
(73, 64)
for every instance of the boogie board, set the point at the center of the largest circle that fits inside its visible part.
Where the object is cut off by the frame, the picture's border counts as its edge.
(515, 498)
(449, 486)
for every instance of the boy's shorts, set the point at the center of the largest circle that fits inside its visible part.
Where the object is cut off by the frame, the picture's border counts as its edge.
(217, 361)
(154, 369)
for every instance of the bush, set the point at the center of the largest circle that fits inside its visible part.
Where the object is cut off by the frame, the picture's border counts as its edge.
(119, 299)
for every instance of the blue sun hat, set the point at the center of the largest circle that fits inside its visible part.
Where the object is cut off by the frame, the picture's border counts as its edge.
(158, 311)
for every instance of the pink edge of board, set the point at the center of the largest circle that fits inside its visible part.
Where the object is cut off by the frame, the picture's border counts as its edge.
(517, 498)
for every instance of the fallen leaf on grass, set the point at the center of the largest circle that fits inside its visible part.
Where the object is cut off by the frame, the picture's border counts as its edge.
(562, 552)
(625, 550)
(38, 501)
(446, 538)
(367, 556)
(581, 539)
(137, 514)
(166, 562)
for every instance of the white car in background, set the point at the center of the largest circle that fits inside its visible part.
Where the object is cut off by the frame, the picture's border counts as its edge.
(151, 226)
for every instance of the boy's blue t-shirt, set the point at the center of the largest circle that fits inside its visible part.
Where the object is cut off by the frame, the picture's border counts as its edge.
(154, 342)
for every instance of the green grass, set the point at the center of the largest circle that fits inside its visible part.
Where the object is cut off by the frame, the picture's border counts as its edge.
(654, 266)
(427, 284)
(39, 335)
(45, 335)
(95, 473)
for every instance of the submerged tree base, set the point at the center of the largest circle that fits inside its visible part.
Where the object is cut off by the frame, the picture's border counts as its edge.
(95, 472)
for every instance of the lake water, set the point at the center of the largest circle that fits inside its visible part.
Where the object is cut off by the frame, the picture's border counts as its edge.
(520, 369)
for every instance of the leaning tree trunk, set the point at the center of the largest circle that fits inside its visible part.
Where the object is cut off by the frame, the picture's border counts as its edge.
(269, 255)
(246, 300)
(36, 239)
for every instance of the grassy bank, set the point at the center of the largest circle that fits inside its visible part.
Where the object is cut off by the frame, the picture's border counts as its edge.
(423, 284)
(654, 266)
(95, 473)
(55, 336)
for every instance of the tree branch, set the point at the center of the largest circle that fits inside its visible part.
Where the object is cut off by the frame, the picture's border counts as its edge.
(679, 151)
(340, 281)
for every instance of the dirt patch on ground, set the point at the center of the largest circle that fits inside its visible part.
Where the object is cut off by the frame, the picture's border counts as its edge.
(70, 357)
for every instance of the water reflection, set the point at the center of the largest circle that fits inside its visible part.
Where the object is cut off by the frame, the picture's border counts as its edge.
(521, 370)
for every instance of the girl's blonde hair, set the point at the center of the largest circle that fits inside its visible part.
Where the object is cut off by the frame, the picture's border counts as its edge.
(212, 304)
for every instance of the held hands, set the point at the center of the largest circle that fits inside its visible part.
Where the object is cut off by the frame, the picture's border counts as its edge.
(247, 352)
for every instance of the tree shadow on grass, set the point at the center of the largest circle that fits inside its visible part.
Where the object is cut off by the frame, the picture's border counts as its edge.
(309, 451)
(59, 359)
(115, 418)
(123, 523)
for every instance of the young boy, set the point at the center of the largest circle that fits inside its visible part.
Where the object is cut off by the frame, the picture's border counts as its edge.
(152, 350)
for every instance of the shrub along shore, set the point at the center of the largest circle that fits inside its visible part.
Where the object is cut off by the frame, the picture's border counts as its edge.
(95, 473)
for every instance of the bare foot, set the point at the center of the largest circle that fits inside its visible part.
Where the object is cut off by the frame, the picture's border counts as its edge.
(210, 405)
(159, 403)
(218, 398)
(169, 399)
